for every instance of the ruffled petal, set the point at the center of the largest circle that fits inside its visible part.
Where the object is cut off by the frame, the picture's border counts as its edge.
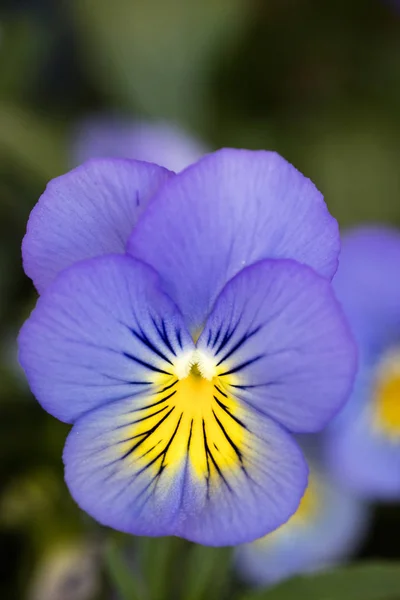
(278, 341)
(102, 331)
(229, 210)
(217, 474)
(88, 212)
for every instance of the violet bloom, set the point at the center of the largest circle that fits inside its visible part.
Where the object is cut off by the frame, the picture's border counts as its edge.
(186, 325)
(364, 441)
(158, 142)
(326, 529)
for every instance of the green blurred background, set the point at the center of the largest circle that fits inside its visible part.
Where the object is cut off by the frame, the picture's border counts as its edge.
(319, 81)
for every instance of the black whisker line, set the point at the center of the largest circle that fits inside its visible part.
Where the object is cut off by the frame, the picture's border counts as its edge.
(227, 337)
(242, 366)
(163, 452)
(148, 406)
(168, 387)
(178, 333)
(162, 332)
(220, 391)
(207, 461)
(228, 412)
(142, 337)
(228, 437)
(145, 364)
(240, 343)
(190, 436)
(146, 434)
(217, 336)
(210, 454)
(149, 416)
(166, 338)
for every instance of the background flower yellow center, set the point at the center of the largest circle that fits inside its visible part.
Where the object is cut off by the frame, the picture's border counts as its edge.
(386, 399)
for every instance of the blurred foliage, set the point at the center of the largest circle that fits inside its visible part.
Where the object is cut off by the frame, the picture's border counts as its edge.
(317, 81)
(371, 581)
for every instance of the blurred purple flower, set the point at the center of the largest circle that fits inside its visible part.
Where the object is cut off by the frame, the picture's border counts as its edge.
(115, 137)
(363, 444)
(326, 529)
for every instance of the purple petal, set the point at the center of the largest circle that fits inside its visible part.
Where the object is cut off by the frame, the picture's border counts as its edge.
(136, 471)
(362, 457)
(159, 143)
(327, 534)
(88, 212)
(277, 339)
(102, 331)
(368, 285)
(231, 209)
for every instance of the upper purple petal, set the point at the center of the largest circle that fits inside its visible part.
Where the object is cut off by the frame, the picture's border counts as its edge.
(87, 212)
(227, 211)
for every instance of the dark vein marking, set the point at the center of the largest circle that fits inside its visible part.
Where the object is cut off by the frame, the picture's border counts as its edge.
(217, 336)
(230, 440)
(142, 337)
(146, 407)
(145, 364)
(227, 337)
(168, 387)
(162, 332)
(210, 455)
(179, 338)
(146, 434)
(190, 436)
(150, 416)
(228, 412)
(220, 391)
(242, 366)
(240, 343)
(163, 453)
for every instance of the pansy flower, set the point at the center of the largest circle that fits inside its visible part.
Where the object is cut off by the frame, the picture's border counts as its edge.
(186, 325)
(364, 441)
(160, 142)
(326, 529)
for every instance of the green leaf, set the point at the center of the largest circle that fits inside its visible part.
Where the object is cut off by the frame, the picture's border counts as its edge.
(365, 581)
(160, 558)
(158, 55)
(206, 573)
(33, 143)
(125, 579)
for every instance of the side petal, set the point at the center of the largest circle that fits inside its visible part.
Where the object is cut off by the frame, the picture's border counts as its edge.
(229, 210)
(277, 340)
(142, 473)
(87, 212)
(102, 331)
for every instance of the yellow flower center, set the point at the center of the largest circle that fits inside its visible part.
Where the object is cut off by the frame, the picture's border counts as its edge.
(386, 396)
(192, 418)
